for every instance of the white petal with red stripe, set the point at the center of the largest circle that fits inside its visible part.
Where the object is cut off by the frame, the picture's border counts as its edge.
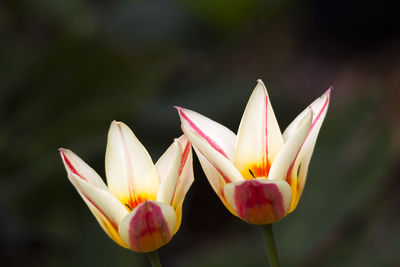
(74, 164)
(259, 137)
(214, 177)
(224, 166)
(131, 174)
(109, 228)
(297, 173)
(218, 136)
(186, 176)
(168, 169)
(102, 200)
(80, 173)
(290, 149)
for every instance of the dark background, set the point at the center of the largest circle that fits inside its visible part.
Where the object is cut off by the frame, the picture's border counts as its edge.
(68, 68)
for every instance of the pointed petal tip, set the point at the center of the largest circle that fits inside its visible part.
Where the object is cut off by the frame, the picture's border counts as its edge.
(181, 111)
(66, 159)
(328, 92)
(329, 89)
(325, 99)
(177, 107)
(309, 111)
(121, 126)
(309, 116)
(176, 143)
(115, 122)
(260, 84)
(306, 121)
(181, 138)
(63, 153)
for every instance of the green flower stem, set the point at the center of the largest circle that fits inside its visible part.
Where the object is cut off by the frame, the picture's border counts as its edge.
(154, 259)
(269, 239)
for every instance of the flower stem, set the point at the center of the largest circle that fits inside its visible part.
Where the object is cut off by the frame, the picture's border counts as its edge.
(154, 259)
(269, 239)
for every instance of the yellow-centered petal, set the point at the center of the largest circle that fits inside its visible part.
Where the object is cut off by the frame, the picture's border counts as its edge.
(259, 137)
(131, 174)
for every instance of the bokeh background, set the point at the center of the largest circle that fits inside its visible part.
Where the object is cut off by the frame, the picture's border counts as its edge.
(68, 68)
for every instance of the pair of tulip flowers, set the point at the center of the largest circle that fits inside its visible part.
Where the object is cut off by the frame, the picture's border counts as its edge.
(259, 174)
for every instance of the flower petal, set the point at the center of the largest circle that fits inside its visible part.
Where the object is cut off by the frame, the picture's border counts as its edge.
(108, 211)
(108, 227)
(218, 136)
(297, 172)
(259, 201)
(259, 137)
(186, 176)
(224, 166)
(214, 177)
(131, 174)
(290, 149)
(168, 169)
(74, 164)
(82, 176)
(148, 227)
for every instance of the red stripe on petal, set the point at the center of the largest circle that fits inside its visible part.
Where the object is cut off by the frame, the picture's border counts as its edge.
(70, 166)
(201, 133)
(321, 111)
(259, 203)
(262, 169)
(289, 172)
(226, 179)
(265, 160)
(113, 224)
(183, 162)
(184, 157)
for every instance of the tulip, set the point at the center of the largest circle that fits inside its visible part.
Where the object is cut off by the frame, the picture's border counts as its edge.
(141, 207)
(259, 174)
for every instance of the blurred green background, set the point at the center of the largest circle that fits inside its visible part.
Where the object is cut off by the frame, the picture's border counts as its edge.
(68, 68)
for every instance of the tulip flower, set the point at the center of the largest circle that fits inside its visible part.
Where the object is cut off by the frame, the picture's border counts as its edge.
(141, 207)
(259, 174)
